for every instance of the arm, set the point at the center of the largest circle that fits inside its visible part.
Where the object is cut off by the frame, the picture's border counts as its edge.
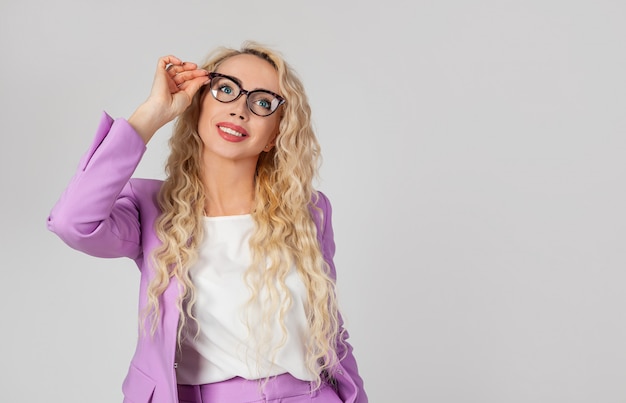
(349, 382)
(98, 213)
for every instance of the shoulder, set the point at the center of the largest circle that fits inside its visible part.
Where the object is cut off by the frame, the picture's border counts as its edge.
(321, 210)
(322, 202)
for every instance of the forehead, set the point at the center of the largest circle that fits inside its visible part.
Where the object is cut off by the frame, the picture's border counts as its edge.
(252, 71)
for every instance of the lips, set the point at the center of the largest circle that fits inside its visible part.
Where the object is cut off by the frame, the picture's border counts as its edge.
(231, 132)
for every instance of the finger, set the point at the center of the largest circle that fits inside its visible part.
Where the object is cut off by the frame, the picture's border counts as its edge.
(174, 70)
(189, 75)
(167, 61)
(190, 87)
(172, 86)
(162, 77)
(189, 66)
(168, 65)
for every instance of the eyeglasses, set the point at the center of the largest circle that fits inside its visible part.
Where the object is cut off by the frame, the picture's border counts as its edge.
(227, 89)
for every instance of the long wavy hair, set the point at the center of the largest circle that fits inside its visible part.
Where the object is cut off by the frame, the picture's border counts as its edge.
(285, 234)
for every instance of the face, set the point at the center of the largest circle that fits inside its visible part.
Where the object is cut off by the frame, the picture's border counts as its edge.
(230, 130)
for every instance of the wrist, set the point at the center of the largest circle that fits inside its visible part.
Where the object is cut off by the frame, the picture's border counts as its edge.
(146, 121)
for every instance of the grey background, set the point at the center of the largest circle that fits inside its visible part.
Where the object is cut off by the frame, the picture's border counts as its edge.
(473, 151)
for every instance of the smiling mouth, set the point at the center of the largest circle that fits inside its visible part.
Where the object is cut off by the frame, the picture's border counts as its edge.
(231, 131)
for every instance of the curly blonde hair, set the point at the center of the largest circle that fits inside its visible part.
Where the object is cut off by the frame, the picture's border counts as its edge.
(285, 233)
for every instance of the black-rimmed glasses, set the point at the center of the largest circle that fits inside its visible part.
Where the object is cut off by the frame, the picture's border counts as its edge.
(228, 89)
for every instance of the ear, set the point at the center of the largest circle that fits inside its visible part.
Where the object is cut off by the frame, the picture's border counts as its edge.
(271, 144)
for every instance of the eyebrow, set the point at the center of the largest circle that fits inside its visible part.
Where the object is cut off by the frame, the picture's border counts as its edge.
(235, 79)
(238, 81)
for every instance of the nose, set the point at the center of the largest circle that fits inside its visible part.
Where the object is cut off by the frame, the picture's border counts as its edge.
(240, 107)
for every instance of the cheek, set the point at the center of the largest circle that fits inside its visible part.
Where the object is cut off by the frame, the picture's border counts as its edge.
(204, 118)
(275, 125)
(270, 129)
(203, 124)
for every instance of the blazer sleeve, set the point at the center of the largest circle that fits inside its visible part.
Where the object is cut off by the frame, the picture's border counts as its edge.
(98, 213)
(348, 381)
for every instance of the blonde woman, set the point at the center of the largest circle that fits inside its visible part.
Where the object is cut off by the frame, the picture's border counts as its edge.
(235, 247)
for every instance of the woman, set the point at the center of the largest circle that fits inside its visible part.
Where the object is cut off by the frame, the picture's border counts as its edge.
(235, 247)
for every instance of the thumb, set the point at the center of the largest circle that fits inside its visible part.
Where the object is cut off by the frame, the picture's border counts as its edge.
(192, 86)
(187, 90)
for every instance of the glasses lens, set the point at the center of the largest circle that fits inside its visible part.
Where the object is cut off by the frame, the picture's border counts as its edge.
(262, 103)
(224, 89)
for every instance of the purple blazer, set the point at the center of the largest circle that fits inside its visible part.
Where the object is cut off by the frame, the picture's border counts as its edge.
(105, 213)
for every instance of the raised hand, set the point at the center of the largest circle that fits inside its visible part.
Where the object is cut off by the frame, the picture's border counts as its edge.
(174, 85)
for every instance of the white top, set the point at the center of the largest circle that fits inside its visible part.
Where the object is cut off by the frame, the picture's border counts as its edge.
(223, 349)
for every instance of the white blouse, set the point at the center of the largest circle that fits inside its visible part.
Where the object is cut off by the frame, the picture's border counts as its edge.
(222, 349)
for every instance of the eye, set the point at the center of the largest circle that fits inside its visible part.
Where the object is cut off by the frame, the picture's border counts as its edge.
(264, 103)
(262, 100)
(226, 89)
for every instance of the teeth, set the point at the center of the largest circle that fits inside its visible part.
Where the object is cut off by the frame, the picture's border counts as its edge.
(231, 131)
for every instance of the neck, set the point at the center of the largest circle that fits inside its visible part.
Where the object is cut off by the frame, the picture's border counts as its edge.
(229, 187)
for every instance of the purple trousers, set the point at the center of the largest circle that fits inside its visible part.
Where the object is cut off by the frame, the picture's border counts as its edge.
(280, 389)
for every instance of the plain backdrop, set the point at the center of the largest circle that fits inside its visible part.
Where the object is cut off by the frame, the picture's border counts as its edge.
(473, 152)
